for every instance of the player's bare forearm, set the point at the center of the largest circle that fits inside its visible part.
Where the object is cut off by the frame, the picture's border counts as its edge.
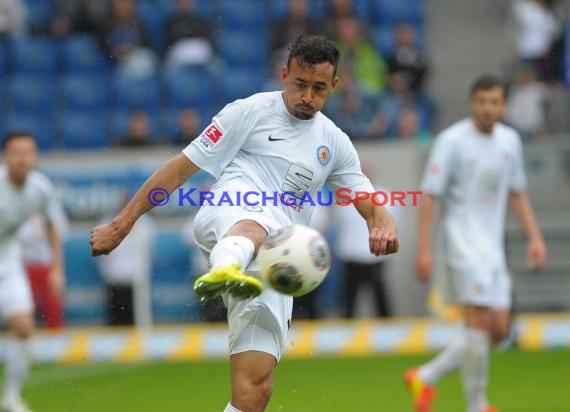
(169, 177)
(425, 222)
(520, 206)
(54, 241)
(105, 238)
(537, 254)
(383, 233)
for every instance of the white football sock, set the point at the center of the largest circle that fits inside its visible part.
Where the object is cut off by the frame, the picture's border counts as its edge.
(230, 408)
(232, 249)
(447, 361)
(17, 363)
(475, 369)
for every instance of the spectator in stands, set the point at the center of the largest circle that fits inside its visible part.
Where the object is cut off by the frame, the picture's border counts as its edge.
(189, 37)
(297, 22)
(12, 18)
(355, 111)
(138, 131)
(38, 261)
(78, 16)
(126, 269)
(360, 56)
(408, 58)
(124, 38)
(409, 125)
(527, 104)
(534, 30)
(189, 126)
(338, 10)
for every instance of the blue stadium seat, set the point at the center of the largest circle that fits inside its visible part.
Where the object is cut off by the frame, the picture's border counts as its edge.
(242, 83)
(136, 93)
(37, 55)
(245, 14)
(384, 39)
(84, 130)
(81, 53)
(4, 59)
(392, 12)
(39, 15)
(153, 15)
(84, 91)
(243, 47)
(170, 116)
(32, 93)
(40, 125)
(190, 86)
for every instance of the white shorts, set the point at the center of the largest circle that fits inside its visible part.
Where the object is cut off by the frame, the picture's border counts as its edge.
(259, 324)
(477, 287)
(15, 294)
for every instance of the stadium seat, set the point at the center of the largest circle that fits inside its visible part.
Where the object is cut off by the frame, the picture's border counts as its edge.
(170, 116)
(40, 125)
(242, 83)
(32, 93)
(392, 12)
(4, 59)
(84, 91)
(136, 93)
(84, 130)
(190, 86)
(153, 15)
(81, 53)
(36, 55)
(243, 47)
(39, 15)
(245, 14)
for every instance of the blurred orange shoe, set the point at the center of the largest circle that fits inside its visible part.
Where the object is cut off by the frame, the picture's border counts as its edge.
(491, 409)
(422, 393)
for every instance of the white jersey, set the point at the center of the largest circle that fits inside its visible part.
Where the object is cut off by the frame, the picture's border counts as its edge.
(17, 205)
(257, 141)
(473, 173)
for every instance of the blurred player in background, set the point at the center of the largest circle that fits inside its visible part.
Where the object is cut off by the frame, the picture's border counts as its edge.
(267, 143)
(25, 192)
(38, 260)
(475, 171)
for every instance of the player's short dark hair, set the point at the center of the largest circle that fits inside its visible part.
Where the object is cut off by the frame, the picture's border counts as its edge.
(487, 82)
(310, 50)
(16, 134)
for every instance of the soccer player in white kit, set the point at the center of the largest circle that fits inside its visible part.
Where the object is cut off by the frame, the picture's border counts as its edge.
(268, 143)
(23, 193)
(475, 171)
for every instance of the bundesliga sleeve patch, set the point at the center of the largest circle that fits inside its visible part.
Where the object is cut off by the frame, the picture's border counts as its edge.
(210, 136)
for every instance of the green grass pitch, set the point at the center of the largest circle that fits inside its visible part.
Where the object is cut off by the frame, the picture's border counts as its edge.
(520, 382)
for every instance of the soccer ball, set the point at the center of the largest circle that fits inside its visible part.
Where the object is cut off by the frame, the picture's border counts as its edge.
(294, 260)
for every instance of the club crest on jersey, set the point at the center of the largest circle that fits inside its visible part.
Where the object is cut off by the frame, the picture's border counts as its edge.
(323, 155)
(253, 208)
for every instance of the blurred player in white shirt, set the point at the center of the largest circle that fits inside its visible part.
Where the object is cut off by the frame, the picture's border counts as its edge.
(475, 171)
(273, 143)
(38, 259)
(25, 192)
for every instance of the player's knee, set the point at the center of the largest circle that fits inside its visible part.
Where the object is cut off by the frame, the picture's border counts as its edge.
(253, 395)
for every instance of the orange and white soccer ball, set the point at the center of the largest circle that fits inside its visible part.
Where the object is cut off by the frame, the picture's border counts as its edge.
(294, 260)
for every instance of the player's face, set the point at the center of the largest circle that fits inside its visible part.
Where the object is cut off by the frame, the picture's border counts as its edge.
(487, 107)
(307, 89)
(21, 155)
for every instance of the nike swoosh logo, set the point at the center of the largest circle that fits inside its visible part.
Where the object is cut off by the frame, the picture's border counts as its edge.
(271, 139)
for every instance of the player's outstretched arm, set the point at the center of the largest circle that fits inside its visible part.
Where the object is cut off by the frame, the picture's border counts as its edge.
(519, 204)
(424, 257)
(169, 177)
(383, 234)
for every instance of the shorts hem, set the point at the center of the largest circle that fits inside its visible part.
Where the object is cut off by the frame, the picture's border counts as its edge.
(256, 348)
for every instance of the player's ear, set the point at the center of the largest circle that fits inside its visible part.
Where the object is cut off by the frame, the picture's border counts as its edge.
(284, 73)
(334, 82)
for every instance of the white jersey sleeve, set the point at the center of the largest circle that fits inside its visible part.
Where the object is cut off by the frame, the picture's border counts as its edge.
(347, 172)
(439, 166)
(219, 143)
(51, 208)
(517, 179)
